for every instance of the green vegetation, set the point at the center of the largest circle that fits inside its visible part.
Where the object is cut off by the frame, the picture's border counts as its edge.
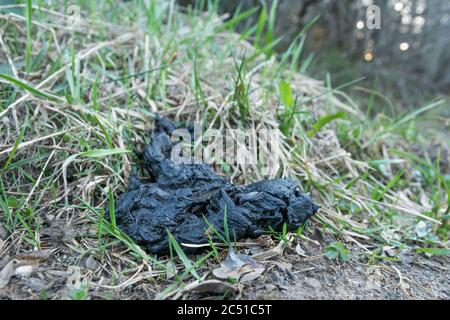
(84, 97)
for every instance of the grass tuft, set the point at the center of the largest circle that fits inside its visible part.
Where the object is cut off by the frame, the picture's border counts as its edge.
(83, 95)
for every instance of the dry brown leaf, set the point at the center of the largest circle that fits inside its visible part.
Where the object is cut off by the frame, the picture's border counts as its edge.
(17, 268)
(23, 271)
(300, 251)
(236, 265)
(278, 250)
(283, 266)
(249, 277)
(7, 273)
(91, 263)
(265, 240)
(34, 256)
(209, 286)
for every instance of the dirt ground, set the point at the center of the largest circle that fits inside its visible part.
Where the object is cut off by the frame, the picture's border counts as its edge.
(296, 274)
(415, 277)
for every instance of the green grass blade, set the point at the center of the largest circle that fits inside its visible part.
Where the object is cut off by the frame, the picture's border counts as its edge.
(225, 225)
(28, 14)
(323, 121)
(112, 210)
(100, 153)
(29, 88)
(433, 251)
(14, 149)
(184, 259)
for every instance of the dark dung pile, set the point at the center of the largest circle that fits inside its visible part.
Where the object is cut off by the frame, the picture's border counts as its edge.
(180, 197)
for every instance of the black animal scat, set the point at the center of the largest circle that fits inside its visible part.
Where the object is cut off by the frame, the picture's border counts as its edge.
(182, 196)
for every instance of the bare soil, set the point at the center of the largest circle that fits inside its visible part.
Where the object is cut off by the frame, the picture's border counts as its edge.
(416, 277)
(308, 275)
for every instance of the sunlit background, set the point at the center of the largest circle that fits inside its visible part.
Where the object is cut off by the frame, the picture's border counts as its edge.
(408, 59)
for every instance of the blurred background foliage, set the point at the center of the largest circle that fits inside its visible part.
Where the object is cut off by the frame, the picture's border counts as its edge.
(407, 59)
